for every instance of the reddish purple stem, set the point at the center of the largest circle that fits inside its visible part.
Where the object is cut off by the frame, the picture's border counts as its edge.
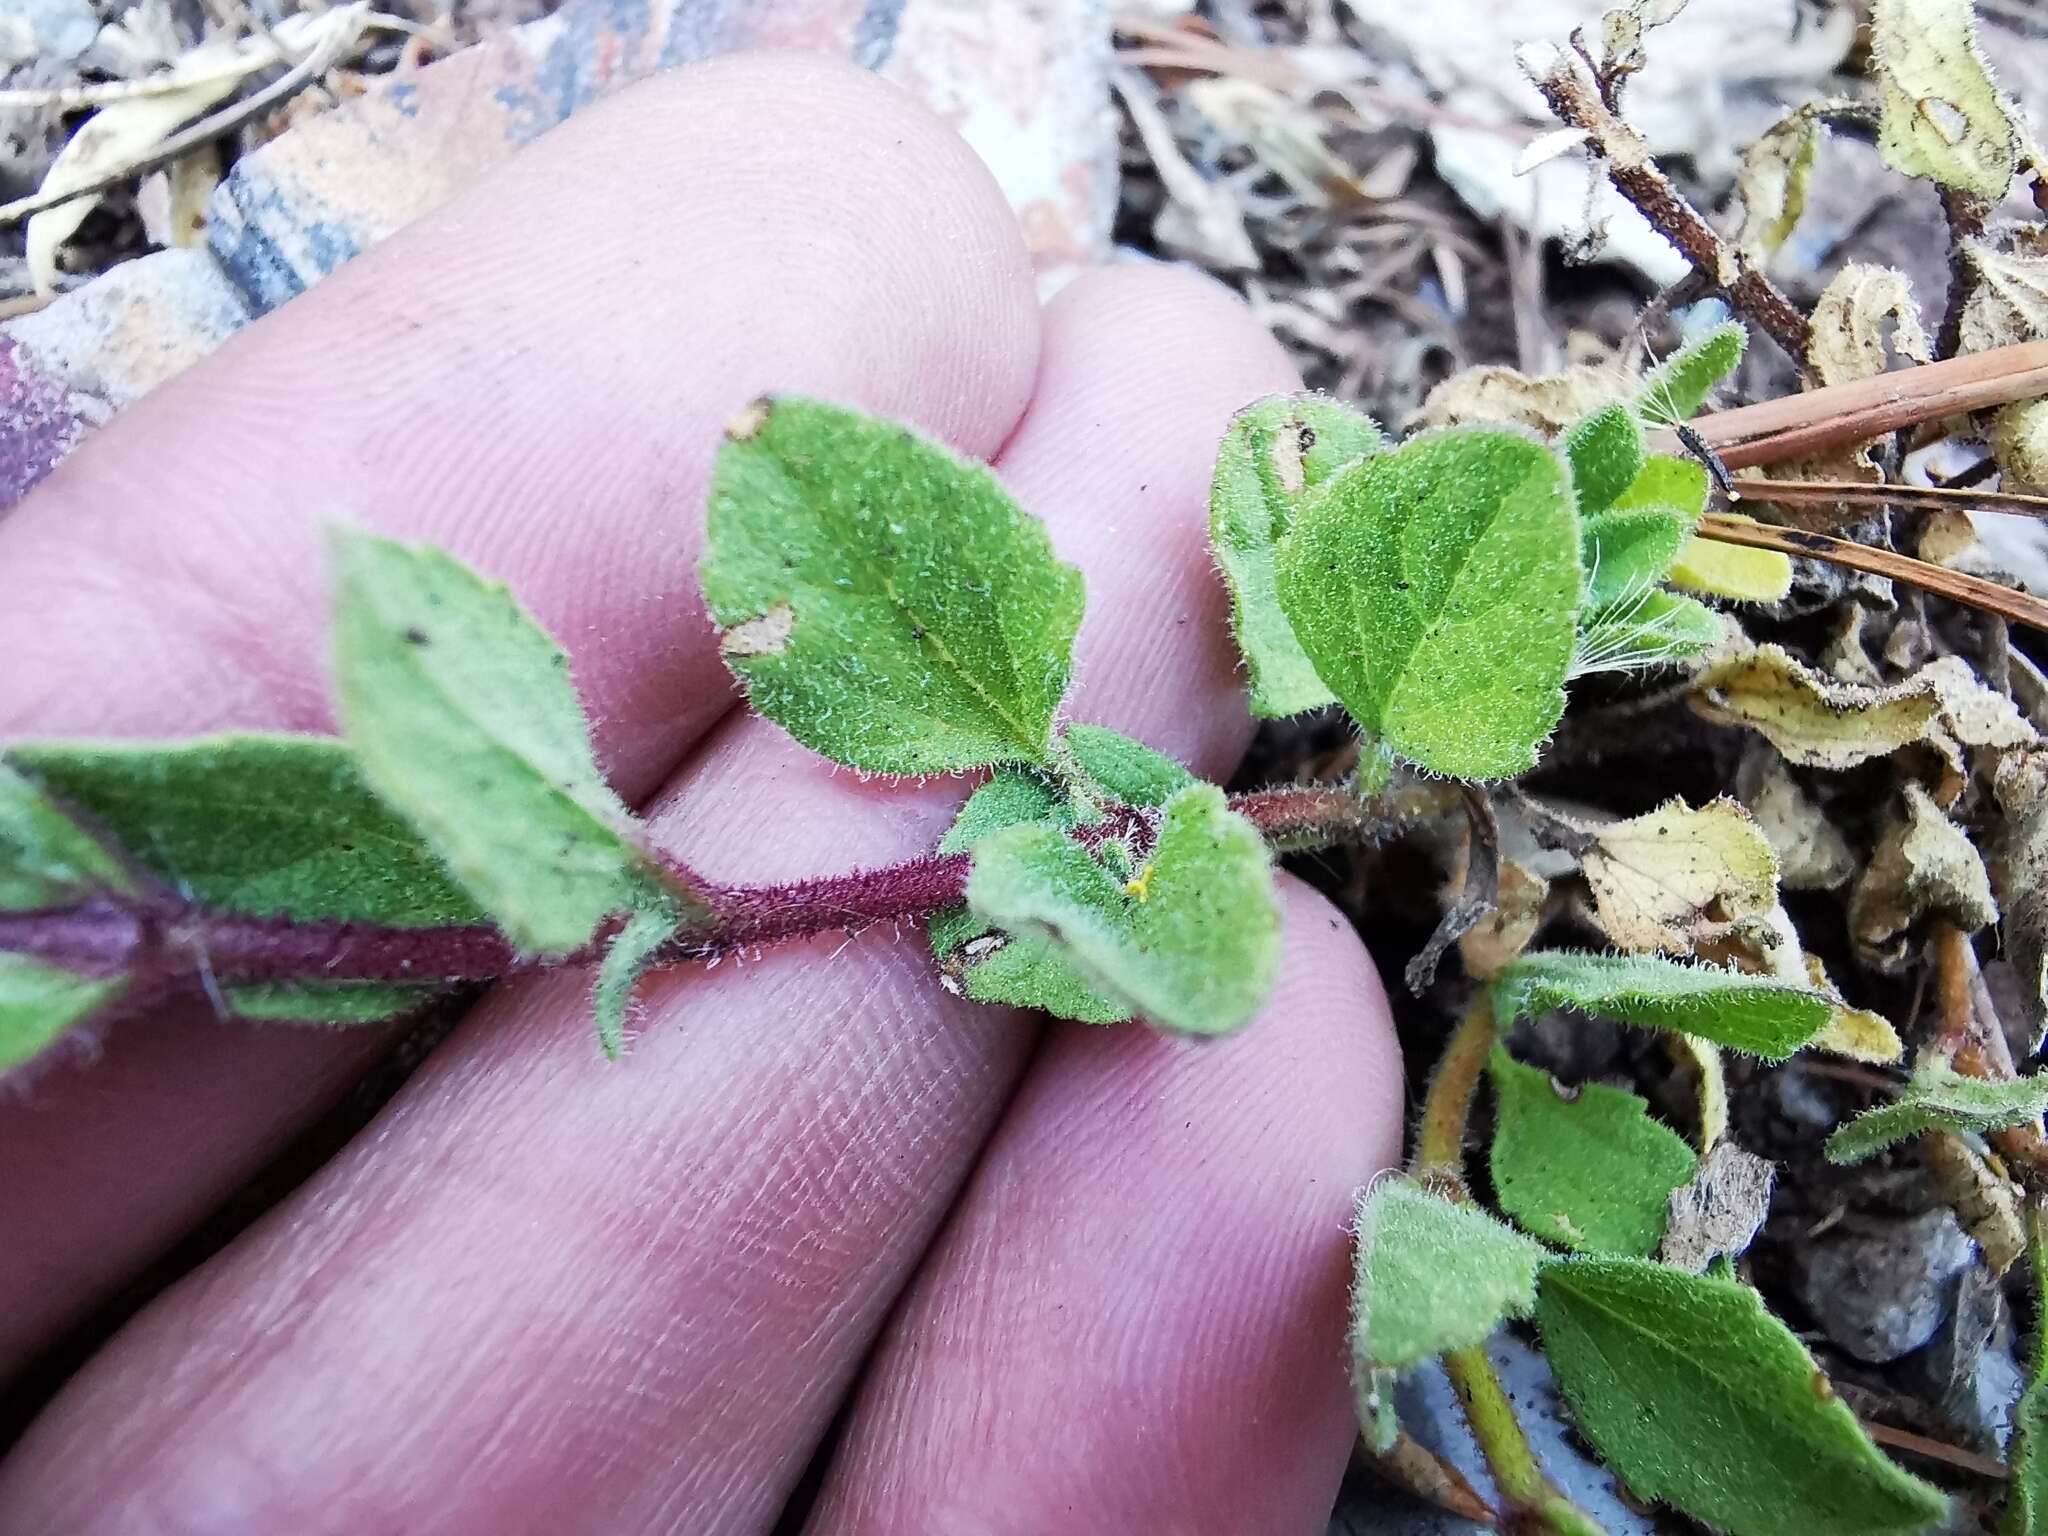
(171, 943)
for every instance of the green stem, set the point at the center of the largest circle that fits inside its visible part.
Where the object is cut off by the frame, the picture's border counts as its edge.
(1440, 1163)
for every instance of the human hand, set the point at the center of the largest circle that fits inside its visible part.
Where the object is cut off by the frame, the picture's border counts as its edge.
(1060, 1278)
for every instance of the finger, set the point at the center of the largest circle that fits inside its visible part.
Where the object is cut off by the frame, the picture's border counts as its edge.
(630, 1298)
(542, 395)
(1135, 1320)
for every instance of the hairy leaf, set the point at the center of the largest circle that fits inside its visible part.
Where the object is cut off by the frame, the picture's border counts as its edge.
(1627, 553)
(1700, 1398)
(1028, 972)
(1674, 483)
(269, 826)
(1654, 629)
(463, 719)
(1851, 319)
(1922, 866)
(1436, 589)
(2009, 300)
(1940, 1098)
(626, 959)
(1605, 452)
(1776, 170)
(884, 601)
(1758, 1014)
(1680, 385)
(1191, 943)
(39, 1002)
(1586, 1168)
(46, 858)
(1811, 719)
(1276, 453)
(2026, 1506)
(322, 1002)
(1433, 1276)
(1942, 115)
(1665, 880)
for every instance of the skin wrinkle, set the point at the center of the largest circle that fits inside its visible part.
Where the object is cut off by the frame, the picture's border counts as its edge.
(174, 603)
(574, 1195)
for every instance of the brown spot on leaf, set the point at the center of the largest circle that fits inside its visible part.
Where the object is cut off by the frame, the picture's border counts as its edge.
(766, 636)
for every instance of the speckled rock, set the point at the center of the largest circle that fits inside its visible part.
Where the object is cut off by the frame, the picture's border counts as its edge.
(1882, 1291)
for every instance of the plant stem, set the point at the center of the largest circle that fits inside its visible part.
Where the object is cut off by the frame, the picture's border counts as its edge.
(1577, 102)
(177, 942)
(1975, 1045)
(1440, 1142)
(1440, 1164)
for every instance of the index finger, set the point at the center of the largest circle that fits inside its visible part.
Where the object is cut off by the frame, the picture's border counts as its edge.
(534, 377)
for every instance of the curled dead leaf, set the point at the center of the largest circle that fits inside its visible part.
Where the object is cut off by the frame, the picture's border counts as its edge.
(1720, 1211)
(1666, 880)
(1860, 304)
(1812, 853)
(1496, 394)
(1923, 867)
(2022, 791)
(1985, 1201)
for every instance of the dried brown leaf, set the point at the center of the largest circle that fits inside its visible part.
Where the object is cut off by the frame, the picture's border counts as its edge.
(1720, 1211)
(1850, 321)
(1984, 1200)
(1924, 867)
(1666, 880)
(1812, 853)
(1495, 394)
(2022, 791)
(1813, 721)
(2009, 301)
(1772, 182)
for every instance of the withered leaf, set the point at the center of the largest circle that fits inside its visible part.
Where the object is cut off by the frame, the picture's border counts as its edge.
(1924, 866)
(2022, 791)
(2010, 300)
(1851, 318)
(1811, 720)
(1662, 881)
(1772, 181)
(1812, 853)
(1720, 1211)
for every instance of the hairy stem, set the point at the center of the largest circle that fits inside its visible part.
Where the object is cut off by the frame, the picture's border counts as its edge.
(1440, 1164)
(1577, 102)
(169, 942)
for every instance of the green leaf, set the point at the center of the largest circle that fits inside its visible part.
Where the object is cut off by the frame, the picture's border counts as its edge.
(1654, 629)
(2026, 1507)
(39, 1002)
(1192, 943)
(1128, 769)
(1677, 484)
(46, 858)
(1606, 455)
(1699, 1397)
(1941, 115)
(270, 826)
(323, 1002)
(630, 954)
(1627, 553)
(1432, 1276)
(1586, 1168)
(1274, 456)
(883, 601)
(1436, 589)
(1938, 1097)
(1679, 386)
(1018, 969)
(1758, 1014)
(463, 719)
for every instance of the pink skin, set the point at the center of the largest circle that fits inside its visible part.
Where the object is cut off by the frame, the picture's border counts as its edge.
(543, 1293)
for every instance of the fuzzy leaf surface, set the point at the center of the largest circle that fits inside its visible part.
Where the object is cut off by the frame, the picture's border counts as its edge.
(1019, 969)
(1628, 552)
(626, 960)
(40, 1002)
(1666, 481)
(46, 858)
(1941, 116)
(1192, 943)
(1274, 456)
(1655, 629)
(1433, 1276)
(1939, 1098)
(464, 719)
(1677, 388)
(1587, 1168)
(309, 839)
(1758, 1014)
(1700, 1398)
(1605, 452)
(884, 601)
(1436, 587)
(322, 1002)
